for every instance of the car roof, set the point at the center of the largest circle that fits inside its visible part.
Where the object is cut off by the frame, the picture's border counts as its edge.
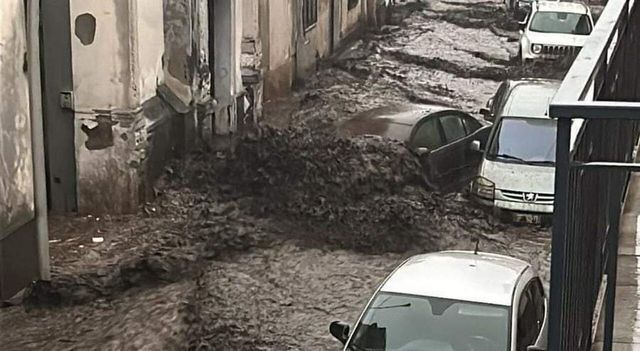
(530, 98)
(458, 275)
(562, 6)
(393, 121)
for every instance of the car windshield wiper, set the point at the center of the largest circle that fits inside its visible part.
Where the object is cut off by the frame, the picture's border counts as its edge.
(551, 163)
(408, 304)
(510, 157)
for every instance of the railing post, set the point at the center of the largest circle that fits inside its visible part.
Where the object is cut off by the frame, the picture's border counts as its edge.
(615, 212)
(558, 254)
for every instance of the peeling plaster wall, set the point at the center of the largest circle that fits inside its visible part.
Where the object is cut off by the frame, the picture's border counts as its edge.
(179, 56)
(280, 69)
(113, 76)
(351, 18)
(280, 33)
(315, 43)
(16, 158)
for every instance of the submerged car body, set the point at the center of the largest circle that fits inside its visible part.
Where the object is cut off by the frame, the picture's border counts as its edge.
(453, 300)
(554, 30)
(440, 136)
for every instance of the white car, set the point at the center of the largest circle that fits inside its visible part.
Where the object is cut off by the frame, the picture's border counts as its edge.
(554, 29)
(453, 300)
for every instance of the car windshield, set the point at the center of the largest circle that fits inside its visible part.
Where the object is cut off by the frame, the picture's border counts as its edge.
(526, 140)
(560, 22)
(399, 322)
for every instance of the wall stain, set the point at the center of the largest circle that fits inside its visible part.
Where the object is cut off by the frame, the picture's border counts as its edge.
(86, 28)
(101, 136)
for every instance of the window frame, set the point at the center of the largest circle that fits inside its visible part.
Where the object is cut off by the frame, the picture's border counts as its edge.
(466, 120)
(422, 122)
(444, 132)
(309, 14)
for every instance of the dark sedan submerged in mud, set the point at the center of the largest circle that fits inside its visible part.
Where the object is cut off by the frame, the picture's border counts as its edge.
(445, 140)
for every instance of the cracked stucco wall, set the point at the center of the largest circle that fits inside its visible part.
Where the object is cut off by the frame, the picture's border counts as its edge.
(117, 67)
(186, 60)
(16, 158)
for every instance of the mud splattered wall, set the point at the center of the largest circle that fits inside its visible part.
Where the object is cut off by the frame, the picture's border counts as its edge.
(16, 159)
(117, 48)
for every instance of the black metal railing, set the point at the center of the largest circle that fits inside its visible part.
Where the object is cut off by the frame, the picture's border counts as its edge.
(599, 98)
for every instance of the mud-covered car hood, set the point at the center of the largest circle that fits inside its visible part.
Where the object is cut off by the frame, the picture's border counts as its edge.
(556, 39)
(519, 177)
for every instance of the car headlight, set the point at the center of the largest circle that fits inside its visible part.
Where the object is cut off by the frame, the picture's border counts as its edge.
(536, 48)
(484, 188)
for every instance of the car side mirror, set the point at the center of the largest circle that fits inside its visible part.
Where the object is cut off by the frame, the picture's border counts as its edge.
(475, 146)
(340, 331)
(422, 151)
(485, 112)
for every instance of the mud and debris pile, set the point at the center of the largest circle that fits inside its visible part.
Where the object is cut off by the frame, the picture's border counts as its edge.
(365, 193)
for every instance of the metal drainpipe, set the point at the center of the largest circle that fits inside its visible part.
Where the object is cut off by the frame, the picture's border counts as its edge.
(37, 136)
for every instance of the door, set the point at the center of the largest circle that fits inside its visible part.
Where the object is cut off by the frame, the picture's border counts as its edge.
(57, 101)
(530, 315)
(427, 140)
(475, 131)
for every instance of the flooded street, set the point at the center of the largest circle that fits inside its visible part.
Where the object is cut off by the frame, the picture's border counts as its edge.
(261, 249)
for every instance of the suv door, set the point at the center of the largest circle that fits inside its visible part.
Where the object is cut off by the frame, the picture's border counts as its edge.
(530, 315)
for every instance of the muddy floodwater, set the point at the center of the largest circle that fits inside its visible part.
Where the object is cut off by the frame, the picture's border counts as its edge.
(262, 248)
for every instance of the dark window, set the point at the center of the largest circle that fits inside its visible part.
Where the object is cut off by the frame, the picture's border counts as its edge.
(498, 99)
(453, 128)
(309, 13)
(471, 124)
(539, 301)
(351, 4)
(428, 135)
(560, 22)
(529, 323)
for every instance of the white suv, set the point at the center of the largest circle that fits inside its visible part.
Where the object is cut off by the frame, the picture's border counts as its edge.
(554, 30)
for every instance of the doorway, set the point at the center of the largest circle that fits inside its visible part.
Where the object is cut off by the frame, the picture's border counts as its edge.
(57, 105)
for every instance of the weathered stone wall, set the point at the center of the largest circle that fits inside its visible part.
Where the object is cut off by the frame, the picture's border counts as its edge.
(16, 158)
(117, 50)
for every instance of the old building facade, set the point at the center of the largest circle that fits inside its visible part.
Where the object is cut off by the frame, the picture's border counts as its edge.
(283, 40)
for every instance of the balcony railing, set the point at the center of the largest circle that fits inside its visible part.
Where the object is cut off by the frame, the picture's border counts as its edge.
(602, 89)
